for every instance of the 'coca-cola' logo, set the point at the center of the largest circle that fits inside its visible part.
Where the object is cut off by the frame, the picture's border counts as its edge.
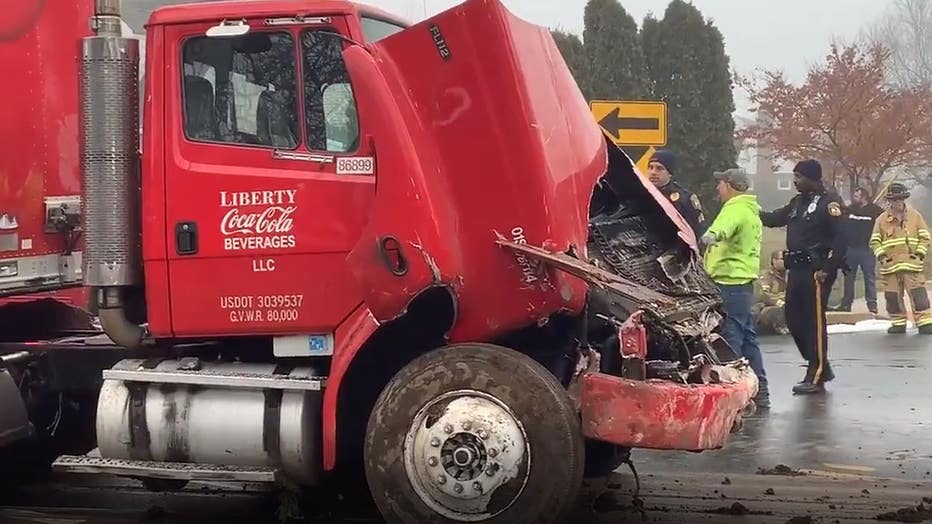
(272, 220)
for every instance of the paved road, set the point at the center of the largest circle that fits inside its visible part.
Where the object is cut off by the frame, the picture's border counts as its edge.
(876, 417)
(865, 448)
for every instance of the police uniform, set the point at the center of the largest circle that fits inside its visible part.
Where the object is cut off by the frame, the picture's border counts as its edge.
(687, 204)
(815, 242)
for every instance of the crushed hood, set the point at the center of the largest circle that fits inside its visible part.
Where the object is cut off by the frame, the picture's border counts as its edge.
(481, 135)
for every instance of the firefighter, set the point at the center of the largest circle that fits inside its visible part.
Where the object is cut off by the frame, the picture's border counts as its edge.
(768, 313)
(900, 241)
(660, 171)
(815, 250)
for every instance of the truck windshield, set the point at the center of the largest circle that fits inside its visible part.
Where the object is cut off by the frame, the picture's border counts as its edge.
(241, 90)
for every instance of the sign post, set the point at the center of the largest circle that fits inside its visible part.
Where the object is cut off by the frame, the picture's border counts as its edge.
(634, 125)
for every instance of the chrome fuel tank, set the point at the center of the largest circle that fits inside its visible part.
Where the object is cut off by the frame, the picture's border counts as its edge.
(233, 414)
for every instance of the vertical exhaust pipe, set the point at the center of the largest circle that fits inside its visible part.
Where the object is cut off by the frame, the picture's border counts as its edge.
(110, 169)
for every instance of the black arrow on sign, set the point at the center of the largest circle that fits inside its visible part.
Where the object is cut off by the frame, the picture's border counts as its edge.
(614, 123)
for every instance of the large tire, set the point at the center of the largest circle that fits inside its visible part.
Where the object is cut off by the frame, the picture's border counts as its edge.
(493, 423)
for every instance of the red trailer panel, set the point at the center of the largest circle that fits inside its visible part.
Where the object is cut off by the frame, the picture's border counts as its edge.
(40, 247)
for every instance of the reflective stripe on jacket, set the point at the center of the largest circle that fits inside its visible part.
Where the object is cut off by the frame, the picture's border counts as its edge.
(772, 288)
(900, 245)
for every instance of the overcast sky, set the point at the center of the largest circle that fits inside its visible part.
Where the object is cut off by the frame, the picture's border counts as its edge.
(772, 34)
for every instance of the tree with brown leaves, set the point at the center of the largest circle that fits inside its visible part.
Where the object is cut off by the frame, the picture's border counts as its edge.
(844, 114)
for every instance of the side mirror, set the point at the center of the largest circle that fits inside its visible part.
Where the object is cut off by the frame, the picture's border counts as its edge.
(229, 28)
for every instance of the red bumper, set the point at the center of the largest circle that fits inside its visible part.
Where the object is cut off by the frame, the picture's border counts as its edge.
(658, 414)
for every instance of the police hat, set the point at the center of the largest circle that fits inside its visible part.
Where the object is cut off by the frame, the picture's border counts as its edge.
(810, 169)
(897, 191)
(666, 158)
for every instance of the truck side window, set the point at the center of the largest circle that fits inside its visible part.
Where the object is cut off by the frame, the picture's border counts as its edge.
(241, 90)
(329, 104)
(374, 29)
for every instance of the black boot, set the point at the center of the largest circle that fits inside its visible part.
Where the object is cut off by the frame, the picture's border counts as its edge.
(897, 329)
(925, 330)
(809, 388)
(762, 400)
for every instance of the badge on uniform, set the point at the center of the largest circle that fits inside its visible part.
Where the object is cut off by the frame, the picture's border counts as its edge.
(695, 201)
(674, 197)
(811, 209)
(834, 209)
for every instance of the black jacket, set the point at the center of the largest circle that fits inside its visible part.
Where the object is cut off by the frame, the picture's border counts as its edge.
(813, 225)
(859, 224)
(687, 204)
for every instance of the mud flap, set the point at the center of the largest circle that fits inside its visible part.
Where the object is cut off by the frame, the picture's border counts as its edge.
(14, 421)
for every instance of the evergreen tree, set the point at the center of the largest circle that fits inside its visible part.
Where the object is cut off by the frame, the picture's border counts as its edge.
(574, 54)
(615, 59)
(690, 71)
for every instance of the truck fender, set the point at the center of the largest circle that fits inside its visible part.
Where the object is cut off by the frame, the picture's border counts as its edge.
(350, 336)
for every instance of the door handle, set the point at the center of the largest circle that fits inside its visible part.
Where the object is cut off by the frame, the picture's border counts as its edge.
(186, 238)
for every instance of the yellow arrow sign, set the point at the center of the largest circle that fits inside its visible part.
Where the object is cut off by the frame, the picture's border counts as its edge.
(643, 162)
(632, 123)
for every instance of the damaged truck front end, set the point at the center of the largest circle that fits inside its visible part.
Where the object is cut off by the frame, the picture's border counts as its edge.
(542, 231)
(651, 371)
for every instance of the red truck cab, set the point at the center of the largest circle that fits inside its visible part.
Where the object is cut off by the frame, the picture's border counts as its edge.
(345, 246)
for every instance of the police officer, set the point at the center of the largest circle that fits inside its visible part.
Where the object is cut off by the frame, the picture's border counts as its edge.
(815, 251)
(660, 171)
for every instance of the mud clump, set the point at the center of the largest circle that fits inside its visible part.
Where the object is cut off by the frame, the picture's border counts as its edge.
(737, 509)
(781, 470)
(920, 513)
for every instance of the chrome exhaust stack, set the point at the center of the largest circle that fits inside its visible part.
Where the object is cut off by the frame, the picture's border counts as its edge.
(109, 97)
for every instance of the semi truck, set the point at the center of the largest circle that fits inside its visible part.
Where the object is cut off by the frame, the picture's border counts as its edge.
(325, 244)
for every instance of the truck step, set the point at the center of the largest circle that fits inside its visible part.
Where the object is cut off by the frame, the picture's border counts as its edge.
(165, 470)
(209, 378)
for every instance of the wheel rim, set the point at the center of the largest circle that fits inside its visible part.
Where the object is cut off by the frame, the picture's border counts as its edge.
(462, 448)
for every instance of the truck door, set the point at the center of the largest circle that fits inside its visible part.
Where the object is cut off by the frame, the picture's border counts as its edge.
(268, 180)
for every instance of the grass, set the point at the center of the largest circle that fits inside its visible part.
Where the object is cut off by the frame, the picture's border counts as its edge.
(775, 239)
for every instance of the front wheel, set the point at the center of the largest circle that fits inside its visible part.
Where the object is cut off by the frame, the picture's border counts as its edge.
(474, 433)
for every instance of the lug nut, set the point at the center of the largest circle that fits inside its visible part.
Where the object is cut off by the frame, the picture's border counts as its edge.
(493, 452)
(458, 488)
(442, 479)
(447, 429)
(483, 434)
(477, 486)
(466, 425)
(490, 471)
(432, 461)
(435, 442)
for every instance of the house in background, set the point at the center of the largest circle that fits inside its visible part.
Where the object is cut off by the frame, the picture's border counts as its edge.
(771, 179)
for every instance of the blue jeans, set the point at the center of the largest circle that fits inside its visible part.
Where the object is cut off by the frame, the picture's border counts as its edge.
(863, 258)
(738, 327)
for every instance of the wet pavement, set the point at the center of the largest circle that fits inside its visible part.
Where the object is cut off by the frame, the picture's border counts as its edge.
(865, 448)
(875, 418)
